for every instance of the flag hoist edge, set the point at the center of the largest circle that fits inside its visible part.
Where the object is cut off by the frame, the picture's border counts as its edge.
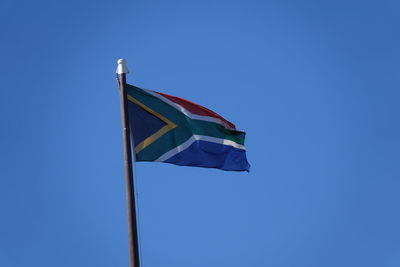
(174, 130)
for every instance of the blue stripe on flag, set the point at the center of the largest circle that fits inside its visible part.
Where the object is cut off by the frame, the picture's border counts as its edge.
(212, 155)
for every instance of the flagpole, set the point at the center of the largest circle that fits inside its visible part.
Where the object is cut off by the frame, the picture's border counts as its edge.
(122, 70)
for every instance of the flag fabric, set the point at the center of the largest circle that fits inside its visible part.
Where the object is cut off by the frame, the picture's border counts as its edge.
(174, 130)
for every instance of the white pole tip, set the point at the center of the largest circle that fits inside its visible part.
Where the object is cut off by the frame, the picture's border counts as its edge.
(121, 68)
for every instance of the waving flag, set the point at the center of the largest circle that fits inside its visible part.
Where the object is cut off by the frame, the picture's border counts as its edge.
(174, 130)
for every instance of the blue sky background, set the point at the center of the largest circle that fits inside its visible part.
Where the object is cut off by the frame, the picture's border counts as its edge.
(315, 84)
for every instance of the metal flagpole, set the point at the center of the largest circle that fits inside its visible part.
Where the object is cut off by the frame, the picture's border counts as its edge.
(122, 70)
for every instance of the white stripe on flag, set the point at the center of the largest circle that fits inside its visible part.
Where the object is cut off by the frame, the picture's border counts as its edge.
(195, 138)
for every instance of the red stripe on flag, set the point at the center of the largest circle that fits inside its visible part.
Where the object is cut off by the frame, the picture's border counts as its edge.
(196, 109)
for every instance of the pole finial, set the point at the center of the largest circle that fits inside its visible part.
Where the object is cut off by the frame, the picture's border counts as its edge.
(121, 68)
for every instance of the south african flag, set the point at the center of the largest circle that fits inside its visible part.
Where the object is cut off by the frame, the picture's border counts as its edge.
(170, 129)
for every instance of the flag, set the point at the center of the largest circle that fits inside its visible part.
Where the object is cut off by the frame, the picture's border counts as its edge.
(170, 129)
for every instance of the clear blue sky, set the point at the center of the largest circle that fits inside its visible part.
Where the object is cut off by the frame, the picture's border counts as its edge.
(315, 84)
